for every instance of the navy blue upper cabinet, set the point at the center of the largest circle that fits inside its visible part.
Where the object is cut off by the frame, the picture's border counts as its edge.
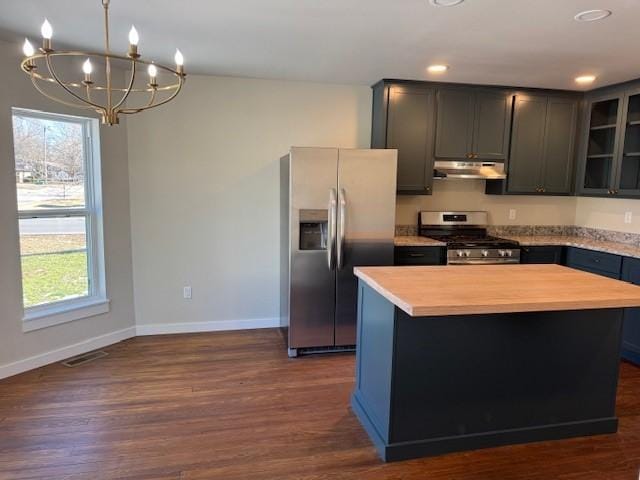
(610, 149)
(543, 139)
(542, 145)
(627, 179)
(404, 119)
(631, 332)
(472, 124)
(600, 145)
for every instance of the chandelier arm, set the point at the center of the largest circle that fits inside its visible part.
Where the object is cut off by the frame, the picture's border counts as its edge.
(166, 100)
(128, 91)
(59, 53)
(67, 89)
(152, 97)
(55, 99)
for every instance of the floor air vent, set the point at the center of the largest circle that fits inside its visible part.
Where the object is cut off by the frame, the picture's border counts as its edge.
(84, 358)
(315, 350)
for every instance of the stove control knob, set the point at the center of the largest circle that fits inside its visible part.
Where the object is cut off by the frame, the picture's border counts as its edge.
(460, 253)
(467, 253)
(502, 253)
(509, 253)
(485, 253)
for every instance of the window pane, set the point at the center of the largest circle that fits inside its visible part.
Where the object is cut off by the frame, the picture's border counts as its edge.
(50, 166)
(54, 259)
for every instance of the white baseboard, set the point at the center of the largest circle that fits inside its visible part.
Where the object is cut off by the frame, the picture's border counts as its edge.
(195, 327)
(63, 353)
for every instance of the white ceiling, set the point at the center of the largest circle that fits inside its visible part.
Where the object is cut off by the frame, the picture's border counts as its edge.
(512, 42)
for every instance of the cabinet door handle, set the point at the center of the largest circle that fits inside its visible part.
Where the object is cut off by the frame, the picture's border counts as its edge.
(416, 255)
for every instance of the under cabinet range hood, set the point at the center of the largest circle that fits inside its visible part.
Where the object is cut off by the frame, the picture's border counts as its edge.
(454, 169)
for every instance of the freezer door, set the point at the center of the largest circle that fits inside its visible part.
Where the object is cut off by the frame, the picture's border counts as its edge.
(366, 226)
(313, 196)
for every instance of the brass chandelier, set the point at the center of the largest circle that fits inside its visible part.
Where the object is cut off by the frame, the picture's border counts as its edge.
(83, 94)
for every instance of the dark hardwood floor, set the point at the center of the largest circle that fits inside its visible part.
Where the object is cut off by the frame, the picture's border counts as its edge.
(232, 406)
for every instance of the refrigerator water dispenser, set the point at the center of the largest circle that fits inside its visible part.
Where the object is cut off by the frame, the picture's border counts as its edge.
(313, 229)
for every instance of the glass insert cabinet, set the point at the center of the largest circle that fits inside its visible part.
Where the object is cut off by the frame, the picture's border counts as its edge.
(610, 163)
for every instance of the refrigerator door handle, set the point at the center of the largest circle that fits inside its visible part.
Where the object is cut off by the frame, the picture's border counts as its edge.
(331, 227)
(342, 221)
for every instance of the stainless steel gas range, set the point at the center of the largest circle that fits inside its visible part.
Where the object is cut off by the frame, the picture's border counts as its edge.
(465, 234)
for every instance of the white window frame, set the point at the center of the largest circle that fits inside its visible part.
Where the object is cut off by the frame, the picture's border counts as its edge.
(96, 302)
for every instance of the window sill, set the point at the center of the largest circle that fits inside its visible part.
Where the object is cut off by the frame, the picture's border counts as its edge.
(63, 313)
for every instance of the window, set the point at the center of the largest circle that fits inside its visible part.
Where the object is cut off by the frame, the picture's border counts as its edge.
(58, 186)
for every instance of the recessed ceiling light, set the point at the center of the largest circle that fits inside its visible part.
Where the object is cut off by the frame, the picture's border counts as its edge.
(437, 68)
(584, 79)
(592, 15)
(445, 3)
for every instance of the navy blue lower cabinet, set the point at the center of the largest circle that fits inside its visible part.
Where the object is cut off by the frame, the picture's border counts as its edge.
(600, 263)
(420, 256)
(542, 254)
(432, 385)
(631, 331)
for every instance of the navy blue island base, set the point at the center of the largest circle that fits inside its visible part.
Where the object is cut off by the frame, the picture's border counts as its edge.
(437, 384)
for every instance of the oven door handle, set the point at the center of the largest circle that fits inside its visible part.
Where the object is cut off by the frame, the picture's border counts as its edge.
(483, 262)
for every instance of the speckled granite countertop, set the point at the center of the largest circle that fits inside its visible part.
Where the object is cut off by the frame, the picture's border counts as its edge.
(616, 248)
(415, 241)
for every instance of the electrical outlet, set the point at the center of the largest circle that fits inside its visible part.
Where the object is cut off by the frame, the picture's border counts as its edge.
(628, 216)
(512, 214)
(186, 292)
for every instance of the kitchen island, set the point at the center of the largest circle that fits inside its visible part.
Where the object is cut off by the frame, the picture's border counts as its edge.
(454, 358)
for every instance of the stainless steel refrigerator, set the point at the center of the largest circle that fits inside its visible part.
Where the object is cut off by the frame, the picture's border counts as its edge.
(337, 212)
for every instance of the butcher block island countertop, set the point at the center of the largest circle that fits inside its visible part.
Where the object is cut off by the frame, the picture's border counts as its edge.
(453, 358)
(487, 289)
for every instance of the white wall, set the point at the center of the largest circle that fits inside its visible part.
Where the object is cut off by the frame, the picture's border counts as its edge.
(204, 195)
(204, 178)
(469, 195)
(608, 213)
(16, 346)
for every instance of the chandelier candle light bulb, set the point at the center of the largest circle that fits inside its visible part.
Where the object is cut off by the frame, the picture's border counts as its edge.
(27, 48)
(153, 72)
(179, 60)
(47, 32)
(134, 39)
(28, 51)
(115, 97)
(87, 68)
